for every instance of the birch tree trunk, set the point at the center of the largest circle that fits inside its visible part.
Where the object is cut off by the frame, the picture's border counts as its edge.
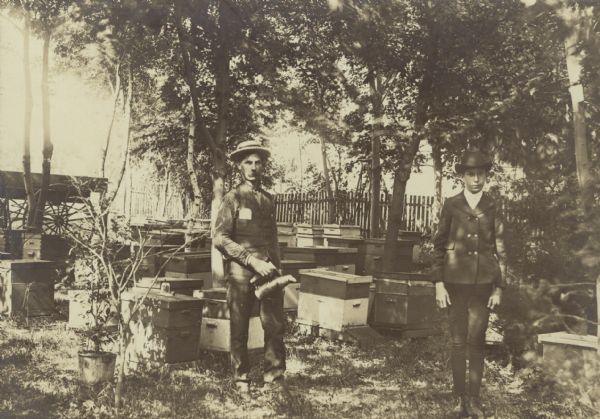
(196, 204)
(377, 103)
(115, 101)
(27, 181)
(438, 166)
(575, 20)
(165, 200)
(128, 102)
(47, 147)
(327, 178)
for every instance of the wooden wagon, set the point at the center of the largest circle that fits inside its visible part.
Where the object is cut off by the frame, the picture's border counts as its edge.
(64, 202)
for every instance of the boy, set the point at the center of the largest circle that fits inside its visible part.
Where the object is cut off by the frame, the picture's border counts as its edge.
(469, 266)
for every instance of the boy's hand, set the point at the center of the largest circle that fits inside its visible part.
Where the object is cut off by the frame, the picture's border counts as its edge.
(495, 299)
(442, 298)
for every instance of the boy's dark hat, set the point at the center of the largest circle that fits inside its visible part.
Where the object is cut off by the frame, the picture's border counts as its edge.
(247, 147)
(473, 160)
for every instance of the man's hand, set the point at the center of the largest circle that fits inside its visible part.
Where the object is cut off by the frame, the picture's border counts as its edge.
(264, 269)
(495, 299)
(442, 298)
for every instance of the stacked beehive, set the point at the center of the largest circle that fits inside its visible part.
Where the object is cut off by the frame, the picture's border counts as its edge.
(286, 234)
(27, 287)
(341, 230)
(195, 265)
(403, 255)
(309, 235)
(347, 236)
(333, 300)
(339, 259)
(45, 247)
(405, 301)
(165, 328)
(152, 259)
(215, 328)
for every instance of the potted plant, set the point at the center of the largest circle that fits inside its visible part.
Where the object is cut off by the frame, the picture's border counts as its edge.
(95, 363)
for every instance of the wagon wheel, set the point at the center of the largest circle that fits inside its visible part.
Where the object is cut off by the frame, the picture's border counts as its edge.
(59, 215)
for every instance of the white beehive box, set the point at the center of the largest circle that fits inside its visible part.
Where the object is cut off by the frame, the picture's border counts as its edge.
(332, 313)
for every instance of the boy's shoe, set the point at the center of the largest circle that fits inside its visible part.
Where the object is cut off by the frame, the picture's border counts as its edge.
(475, 409)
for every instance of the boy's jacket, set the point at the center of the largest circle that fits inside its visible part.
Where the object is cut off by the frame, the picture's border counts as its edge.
(469, 244)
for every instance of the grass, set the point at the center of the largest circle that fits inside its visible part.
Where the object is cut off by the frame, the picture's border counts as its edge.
(399, 379)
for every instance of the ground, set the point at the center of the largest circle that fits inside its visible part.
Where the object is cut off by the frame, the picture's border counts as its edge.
(403, 378)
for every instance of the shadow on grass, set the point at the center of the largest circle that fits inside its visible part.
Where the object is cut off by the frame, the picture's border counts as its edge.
(18, 398)
(294, 405)
(16, 352)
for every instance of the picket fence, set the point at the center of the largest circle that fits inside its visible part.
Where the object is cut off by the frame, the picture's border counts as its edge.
(352, 208)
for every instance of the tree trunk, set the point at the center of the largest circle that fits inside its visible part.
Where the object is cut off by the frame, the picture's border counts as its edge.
(116, 94)
(165, 200)
(128, 102)
(327, 177)
(123, 337)
(27, 181)
(401, 176)
(438, 166)
(377, 103)
(47, 147)
(193, 212)
(576, 21)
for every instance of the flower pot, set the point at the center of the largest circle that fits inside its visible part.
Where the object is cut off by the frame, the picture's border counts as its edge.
(96, 367)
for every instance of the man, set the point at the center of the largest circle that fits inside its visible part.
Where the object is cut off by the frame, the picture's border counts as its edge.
(246, 235)
(469, 272)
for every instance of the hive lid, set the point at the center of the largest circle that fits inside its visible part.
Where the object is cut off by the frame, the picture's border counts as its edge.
(344, 238)
(336, 276)
(195, 255)
(291, 263)
(24, 262)
(147, 282)
(166, 301)
(320, 249)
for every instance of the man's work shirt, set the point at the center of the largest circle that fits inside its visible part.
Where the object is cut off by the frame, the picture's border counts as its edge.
(245, 226)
